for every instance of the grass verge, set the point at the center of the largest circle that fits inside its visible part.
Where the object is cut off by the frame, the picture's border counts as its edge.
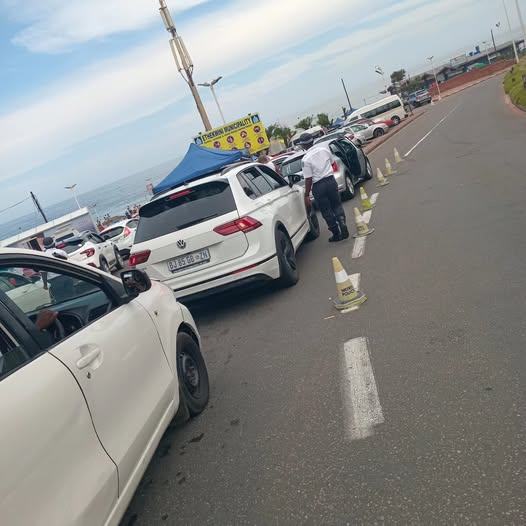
(514, 84)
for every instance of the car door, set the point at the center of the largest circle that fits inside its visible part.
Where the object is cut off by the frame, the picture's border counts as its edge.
(113, 350)
(54, 468)
(291, 199)
(354, 161)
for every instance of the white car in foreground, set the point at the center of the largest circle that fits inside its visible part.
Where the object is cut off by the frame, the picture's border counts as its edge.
(235, 227)
(121, 234)
(85, 402)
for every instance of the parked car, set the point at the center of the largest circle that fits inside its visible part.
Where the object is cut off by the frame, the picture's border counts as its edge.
(371, 131)
(91, 249)
(238, 226)
(121, 234)
(350, 165)
(419, 98)
(388, 122)
(277, 160)
(85, 400)
(25, 292)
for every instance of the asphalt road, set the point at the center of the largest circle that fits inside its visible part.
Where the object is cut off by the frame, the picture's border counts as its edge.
(444, 273)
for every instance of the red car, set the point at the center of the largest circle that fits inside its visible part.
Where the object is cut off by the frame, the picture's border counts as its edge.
(387, 122)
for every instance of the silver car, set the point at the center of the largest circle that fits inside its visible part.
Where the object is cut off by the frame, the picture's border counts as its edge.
(369, 132)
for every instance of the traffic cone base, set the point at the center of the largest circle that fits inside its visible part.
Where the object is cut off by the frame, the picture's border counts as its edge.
(348, 296)
(364, 233)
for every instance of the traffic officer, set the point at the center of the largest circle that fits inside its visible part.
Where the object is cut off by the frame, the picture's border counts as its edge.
(319, 177)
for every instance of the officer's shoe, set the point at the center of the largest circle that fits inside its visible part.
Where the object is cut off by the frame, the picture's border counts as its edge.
(344, 231)
(336, 235)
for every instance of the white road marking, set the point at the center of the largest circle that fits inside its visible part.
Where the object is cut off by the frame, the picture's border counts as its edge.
(374, 197)
(359, 247)
(362, 403)
(431, 131)
(367, 216)
(355, 280)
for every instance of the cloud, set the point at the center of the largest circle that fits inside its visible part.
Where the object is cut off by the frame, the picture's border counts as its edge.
(58, 25)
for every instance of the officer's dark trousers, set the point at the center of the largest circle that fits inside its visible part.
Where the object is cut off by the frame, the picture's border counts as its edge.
(328, 199)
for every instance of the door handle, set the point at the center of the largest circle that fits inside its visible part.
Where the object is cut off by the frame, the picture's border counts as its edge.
(88, 358)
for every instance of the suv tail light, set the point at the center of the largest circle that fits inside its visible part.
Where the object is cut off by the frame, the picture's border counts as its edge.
(244, 224)
(334, 166)
(88, 252)
(139, 257)
(127, 231)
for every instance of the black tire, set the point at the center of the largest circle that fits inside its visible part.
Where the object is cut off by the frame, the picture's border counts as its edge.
(350, 190)
(396, 120)
(288, 267)
(314, 224)
(368, 170)
(119, 263)
(194, 386)
(104, 266)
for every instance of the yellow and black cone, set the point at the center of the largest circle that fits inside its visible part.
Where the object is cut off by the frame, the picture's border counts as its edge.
(348, 296)
(388, 168)
(397, 157)
(366, 202)
(381, 180)
(362, 228)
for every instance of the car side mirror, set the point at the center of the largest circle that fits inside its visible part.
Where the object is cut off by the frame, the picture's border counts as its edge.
(294, 179)
(135, 281)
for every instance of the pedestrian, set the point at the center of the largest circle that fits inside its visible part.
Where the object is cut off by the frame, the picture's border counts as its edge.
(265, 159)
(319, 177)
(61, 286)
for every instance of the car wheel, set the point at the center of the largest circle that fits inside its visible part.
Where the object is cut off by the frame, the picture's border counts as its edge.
(396, 120)
(104, 266)
(288, 267)
(194, 386)
(349, 191)
(119, 262)
(378, 132)
(314, 224)
(368, 170)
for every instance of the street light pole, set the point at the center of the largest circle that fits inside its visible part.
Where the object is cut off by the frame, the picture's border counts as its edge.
(511, 32)
(72, 188)
(435, 75)
(485, 42)
(183, 61)
(347, 95)
(519, 14)
(211, 86)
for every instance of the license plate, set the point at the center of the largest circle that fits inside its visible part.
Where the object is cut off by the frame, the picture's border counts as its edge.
(199, 257)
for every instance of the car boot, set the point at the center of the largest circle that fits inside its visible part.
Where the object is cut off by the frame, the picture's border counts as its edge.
(336, 234)
(343, 227)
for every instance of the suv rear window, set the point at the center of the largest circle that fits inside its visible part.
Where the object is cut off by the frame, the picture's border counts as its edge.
(112, 232)
(291, 167)
(183, 209)
(70, 245)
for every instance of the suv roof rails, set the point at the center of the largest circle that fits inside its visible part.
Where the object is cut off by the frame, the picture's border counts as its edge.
(229, 167)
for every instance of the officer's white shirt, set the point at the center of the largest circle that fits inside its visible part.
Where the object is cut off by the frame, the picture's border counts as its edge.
(60, 253)
(317, 163)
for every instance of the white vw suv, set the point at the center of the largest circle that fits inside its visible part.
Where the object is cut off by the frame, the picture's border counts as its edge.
(241, 225)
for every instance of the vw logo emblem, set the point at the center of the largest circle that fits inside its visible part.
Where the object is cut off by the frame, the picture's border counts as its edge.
(181, 244)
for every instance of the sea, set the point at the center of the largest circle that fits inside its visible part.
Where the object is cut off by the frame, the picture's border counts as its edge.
(112, 198)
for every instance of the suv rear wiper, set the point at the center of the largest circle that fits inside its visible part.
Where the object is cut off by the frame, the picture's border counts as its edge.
(192, 223)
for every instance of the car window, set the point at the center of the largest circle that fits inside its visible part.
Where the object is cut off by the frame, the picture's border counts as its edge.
(272, 177)
(133, 223)
(95, 238)
(71, 245)
(254, 176)
(12, 355)
(183, 209)
(78, 300)
(291, 167)
(113, 232)
(249, 188)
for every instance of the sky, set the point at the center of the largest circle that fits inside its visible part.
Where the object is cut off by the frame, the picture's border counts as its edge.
(89, 91)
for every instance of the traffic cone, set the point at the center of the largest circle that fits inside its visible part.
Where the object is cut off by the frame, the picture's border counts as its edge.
(382, 181)
(397, 157)
(362, 228)
(388, 168)
(348, 296)
(366, 202)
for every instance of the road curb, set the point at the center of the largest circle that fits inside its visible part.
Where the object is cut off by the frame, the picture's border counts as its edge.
(514, 107)
(368, 148)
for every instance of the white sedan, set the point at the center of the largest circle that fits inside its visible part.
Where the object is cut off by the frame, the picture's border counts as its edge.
(121, 234)
(88, 385)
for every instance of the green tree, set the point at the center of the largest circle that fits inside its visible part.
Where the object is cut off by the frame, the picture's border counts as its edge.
(323, 120)
(305, 123)
(398, 76)
(276, 131)
(412, 85)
